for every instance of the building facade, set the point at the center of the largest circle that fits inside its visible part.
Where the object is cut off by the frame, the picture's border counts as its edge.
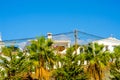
(109, 43)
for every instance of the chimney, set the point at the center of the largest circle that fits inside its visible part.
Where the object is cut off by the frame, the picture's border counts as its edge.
(49, 35)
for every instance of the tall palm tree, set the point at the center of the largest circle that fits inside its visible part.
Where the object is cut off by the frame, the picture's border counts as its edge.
(42, 53)
(98, 61)
(70, 70)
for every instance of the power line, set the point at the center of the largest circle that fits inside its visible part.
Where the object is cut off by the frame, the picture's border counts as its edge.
(66, 33)
(91, 35)
(84, 36)
(24, 39)
(63, 33)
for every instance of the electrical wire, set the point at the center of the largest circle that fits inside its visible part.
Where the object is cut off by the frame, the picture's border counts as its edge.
(91, 35)
(80, 36)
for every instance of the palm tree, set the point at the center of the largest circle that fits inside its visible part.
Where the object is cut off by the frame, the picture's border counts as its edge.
(41, 53)
(70, 70)
(115, 67)
(98, 61)
(13, 63)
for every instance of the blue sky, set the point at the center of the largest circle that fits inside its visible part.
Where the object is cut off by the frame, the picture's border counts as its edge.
(30, 18)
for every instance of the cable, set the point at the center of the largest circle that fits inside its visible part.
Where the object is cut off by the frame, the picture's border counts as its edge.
(24, 39)
(63, 33)
(91, 35)
(94, 37)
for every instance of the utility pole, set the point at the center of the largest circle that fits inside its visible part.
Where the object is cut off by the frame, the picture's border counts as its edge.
(75, 35)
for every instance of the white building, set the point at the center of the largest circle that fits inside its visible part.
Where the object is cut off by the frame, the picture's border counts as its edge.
(109, 43)
(60, 45)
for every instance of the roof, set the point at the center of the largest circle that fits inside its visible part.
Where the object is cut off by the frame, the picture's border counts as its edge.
(109, 41)
(61, 41)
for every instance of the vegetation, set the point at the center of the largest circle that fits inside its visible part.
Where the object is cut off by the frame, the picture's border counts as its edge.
(70, 69)
(42, 56)
(14, 64)
(97, 61)
(41, 61)
(115, 67)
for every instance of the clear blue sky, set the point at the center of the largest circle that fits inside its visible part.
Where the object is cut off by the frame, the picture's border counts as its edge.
(30, 18)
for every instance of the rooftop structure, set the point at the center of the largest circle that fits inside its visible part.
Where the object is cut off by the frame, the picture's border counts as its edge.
(109, 43)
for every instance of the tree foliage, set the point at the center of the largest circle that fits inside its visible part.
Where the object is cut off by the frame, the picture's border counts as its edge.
(41, 53)
(13, 63)
(97, 60)
(70, 69)
(115, 67)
